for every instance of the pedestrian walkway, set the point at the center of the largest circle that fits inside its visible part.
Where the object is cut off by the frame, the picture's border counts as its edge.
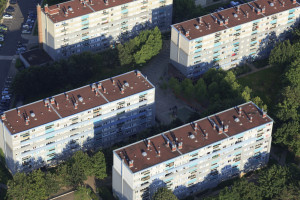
(254, 69)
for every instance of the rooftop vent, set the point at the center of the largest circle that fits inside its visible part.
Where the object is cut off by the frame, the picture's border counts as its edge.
(126, 84)
(197, 27)
(80, 99)
(271, 4)
(236, 119)
(32, 114)
(192, 136)
(235, 15)
(70, 9)
(144, 154)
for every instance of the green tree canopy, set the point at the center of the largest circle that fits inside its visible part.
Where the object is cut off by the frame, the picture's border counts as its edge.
(164, 194)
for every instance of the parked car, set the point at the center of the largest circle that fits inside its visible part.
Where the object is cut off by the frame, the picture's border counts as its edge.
(13, 1)
(6, 97)
(10, 9)
(26, 31)
(3, 27)
(1, 35)
(7, 16)
(1, 39)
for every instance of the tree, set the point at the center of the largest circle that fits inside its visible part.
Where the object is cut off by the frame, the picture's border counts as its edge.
(164, 194)
(273, 180)
(200, 90)
(175, 85)
(98, 165)
(188, 88)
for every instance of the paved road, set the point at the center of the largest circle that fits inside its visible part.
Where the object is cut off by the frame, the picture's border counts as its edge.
(13, 36)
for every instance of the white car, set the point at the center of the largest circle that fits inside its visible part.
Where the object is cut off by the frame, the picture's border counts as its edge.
(1, 39)
(7, 16)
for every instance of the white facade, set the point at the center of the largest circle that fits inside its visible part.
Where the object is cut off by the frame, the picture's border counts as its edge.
(229, 46)
(196, 170)
(100, 126)
(101, 29)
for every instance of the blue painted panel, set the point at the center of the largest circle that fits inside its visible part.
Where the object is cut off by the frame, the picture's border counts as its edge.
(237, 27)
(198, 50)
(254, 32)
(197, 55)
(217, 44)
(199, 39)
(49, 130)
(292, 15)
(255, 21)
(236, 163)
(85, 16)
(253, 42)
(292, 20)
(215, 166)
(124, 11)
(169, 179)
(273, 21)
(215, 161)
(192, 181)
(292, 10)
(238, 152)
(216, 54)
(259, 149)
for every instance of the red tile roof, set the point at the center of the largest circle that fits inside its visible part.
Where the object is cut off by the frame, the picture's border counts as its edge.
(236, 16)
(16, 118)
(76, 8)
(182, 134)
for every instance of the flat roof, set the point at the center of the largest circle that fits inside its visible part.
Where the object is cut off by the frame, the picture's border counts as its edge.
(64, 104)
(75, 8)
(236, 124)
(36, 57)
(231, 17)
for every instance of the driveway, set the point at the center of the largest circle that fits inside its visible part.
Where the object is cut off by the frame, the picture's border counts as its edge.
(157, 72)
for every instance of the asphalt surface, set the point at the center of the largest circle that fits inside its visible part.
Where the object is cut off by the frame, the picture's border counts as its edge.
(13, 35)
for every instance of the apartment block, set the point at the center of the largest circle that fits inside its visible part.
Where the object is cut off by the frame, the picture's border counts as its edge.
(94, 116)
(76, 26)
(195, 156)
(227, 38)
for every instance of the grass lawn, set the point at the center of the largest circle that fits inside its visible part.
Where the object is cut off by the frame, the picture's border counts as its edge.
(265, 84)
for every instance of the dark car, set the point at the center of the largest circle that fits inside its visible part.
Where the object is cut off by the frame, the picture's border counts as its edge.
(10, 9)
(13, 1)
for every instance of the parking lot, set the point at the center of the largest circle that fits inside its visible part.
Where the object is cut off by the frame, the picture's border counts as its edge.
(12, 37)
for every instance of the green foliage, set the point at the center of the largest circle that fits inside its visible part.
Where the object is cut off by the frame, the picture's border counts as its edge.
(186, 9)
(284, 53)
(4, 173)
(274, 180)
(105, 193)
(40, 185)
(19, 64)
(164, 194)
(2, 7)
(219, 88)
(85, 193)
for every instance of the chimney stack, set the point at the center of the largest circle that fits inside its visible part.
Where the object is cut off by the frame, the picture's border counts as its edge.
(148, 145)
(264, 114)
(214, 126)
(226, 127)
(168, 143)
(138, 73)
(67, 97)
(263, 10)
(52, 100)
(220, 130)
(221, 22)
(195, 126)
(240, 111)
(173, 146)
(113, 82)
(75, 106)
(283, 3)
(46, 102)
(57, 106)
(187, 33)
(251, 118)
(226, 21)
(158, 153)
(122, 91)
(208, 25)
(46, 8)
(238, 9)
(19, 112)
(104, 89)
(180, 145)
(99, 86)
(49, 108)
(3, 117)
(93, 87)
(130, 163)
(294, 1)
(247, 14)
(206, 135)
(200, 20)
(27, 122)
